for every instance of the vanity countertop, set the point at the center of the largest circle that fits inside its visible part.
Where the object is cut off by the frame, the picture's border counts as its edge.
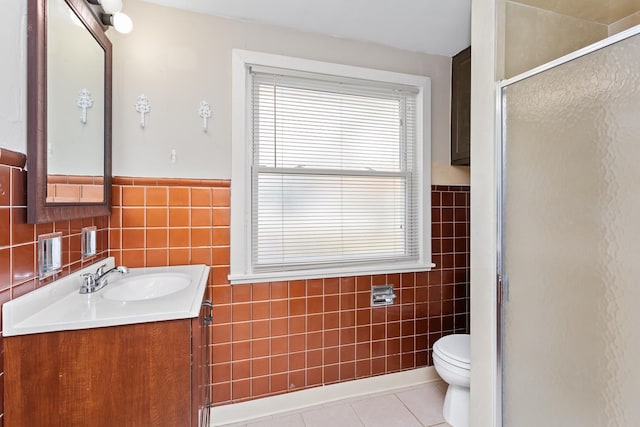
(59, 306)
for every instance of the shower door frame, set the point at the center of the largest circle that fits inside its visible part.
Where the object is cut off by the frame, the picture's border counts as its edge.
(502, 281)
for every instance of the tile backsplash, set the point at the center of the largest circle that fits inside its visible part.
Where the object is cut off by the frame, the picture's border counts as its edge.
(267, 338)
(19, 240)
(157, 222)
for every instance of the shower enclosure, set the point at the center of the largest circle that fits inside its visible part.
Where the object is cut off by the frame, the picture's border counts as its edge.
(570, 240)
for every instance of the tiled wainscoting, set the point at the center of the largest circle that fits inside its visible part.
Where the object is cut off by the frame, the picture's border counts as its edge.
(18, 241)
(268, 338)
(157, 222)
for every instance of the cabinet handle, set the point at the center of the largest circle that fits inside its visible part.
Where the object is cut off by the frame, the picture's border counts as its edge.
(208, 318)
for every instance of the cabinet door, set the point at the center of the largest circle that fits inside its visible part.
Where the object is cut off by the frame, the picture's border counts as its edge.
(201, 371)
(126, 376)
(461, 108)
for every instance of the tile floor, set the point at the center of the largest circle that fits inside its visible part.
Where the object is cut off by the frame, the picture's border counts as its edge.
(418, 406)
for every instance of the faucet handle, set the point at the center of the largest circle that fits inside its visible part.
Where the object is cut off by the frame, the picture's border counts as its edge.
(100, 270)
(88, 277)
(88, 283)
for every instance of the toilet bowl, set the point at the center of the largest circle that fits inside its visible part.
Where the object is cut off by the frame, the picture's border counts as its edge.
(451, 358)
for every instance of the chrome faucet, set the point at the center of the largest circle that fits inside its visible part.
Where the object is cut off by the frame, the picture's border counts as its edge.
(93, 282)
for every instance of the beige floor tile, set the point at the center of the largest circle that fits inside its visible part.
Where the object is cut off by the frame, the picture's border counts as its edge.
(291, 420)
(385, 411)
(332, 416)
(415, 406)
(425, 402)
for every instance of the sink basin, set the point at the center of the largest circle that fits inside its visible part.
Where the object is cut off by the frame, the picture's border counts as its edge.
(146, 286)
(148, 294)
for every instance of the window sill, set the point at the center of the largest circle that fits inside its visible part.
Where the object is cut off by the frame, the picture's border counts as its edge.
(325, 273)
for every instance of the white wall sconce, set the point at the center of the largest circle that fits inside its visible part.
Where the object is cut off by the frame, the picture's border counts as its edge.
(113, 16)
(205, 113)
(142, 107)
(121, 22)
(84, 101)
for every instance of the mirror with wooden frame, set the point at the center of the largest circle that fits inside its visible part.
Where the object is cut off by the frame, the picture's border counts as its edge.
(68, 112)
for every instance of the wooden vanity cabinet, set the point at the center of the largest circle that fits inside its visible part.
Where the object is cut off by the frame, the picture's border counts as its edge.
(461, 108)
(148, 374)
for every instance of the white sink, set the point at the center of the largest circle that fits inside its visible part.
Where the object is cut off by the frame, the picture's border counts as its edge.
(149, 294)
(146, 286)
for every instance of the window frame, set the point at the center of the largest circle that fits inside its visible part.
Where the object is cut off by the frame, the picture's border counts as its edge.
(241, 270)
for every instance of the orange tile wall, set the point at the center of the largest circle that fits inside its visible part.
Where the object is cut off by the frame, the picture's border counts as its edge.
(267, 338)
(18, 244)
(272, 338)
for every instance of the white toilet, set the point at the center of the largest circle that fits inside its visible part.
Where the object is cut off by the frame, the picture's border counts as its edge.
(451, 357)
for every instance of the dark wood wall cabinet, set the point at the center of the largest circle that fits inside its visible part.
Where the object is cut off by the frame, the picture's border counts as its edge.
(461, 108)
(148, 374)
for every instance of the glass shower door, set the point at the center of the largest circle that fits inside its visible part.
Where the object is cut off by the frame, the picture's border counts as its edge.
(570, 326)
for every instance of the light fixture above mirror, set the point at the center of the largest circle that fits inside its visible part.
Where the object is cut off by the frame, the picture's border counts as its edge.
(121, 22)
(112, 15)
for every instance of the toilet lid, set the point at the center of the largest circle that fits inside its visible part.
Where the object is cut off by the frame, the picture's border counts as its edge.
(455, 349)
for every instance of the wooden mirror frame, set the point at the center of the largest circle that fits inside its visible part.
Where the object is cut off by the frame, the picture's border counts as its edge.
(38, 209)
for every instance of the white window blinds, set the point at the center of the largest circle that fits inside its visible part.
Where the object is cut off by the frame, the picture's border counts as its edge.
(333, 176)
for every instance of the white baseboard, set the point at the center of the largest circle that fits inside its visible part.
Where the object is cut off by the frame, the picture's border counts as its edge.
(238, 412)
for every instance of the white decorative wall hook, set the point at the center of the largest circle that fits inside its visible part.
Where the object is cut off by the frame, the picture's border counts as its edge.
(84, 101)
(142, 107)
(205, 113)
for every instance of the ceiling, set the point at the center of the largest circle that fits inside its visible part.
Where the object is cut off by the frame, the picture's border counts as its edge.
(440, 27)
(602, 11)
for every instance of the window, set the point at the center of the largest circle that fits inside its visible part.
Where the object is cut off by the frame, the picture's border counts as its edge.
(330, 170)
